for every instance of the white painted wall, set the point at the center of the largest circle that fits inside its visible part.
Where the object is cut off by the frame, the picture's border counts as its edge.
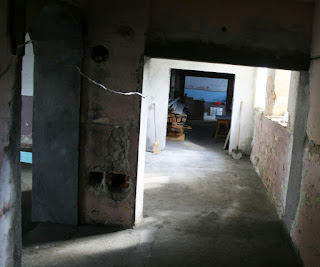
(27, 69)
(261, 88)
(156, 83)
(145, 103)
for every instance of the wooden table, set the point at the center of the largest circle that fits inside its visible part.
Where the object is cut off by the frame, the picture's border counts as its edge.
(225, 120)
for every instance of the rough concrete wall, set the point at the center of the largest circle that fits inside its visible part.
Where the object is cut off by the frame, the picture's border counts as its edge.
(305, 229)
(10, 101)
(271, 154)
(299, 136)
(110, 122)
(270, 92)
(267, 33)
(10, 217)
(313, 130)
(156, 85)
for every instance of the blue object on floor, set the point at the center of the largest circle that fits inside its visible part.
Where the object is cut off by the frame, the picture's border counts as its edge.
(26, 157)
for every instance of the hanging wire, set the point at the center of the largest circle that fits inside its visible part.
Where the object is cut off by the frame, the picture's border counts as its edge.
(106, 88)
(84, 75)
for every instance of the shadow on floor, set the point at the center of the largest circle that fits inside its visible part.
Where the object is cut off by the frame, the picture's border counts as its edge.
(44, 233)
(202, 208)
(26, 219)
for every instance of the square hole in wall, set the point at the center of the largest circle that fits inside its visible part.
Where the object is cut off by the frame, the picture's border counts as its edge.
(117, 182)
(95, 178)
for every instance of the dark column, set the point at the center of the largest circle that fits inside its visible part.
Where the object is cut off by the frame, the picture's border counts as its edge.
(56, 116)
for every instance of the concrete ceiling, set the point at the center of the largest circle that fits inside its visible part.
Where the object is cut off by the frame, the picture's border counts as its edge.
(77, 3)
(309, 1)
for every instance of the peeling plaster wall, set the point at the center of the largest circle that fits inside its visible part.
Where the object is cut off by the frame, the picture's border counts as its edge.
(305, 229)
(270, 92)
(10, 217)
(313, 123)
(110, 122)
(271, 155)
(278, 162)
(268, 34)
(295, 190)
(258, 33)
(10, 103)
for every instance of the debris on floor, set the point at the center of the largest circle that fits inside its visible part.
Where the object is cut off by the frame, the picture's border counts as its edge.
(176, 127)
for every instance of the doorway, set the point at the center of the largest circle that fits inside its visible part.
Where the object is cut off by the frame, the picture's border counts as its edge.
(205, 100)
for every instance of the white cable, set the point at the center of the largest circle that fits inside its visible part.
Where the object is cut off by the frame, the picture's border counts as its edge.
(106, 88)
(84, 75)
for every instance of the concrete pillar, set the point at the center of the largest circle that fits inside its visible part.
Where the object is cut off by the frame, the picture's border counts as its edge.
(57, 87)
(110, 122)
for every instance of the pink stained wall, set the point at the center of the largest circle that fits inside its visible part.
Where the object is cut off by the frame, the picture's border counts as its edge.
(305, 229)
(271, 157)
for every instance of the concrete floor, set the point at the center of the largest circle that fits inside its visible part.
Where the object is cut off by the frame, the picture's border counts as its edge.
(202, 208)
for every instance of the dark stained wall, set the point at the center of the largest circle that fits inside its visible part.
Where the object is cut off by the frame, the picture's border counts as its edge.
(57, 87)
(11, 34)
